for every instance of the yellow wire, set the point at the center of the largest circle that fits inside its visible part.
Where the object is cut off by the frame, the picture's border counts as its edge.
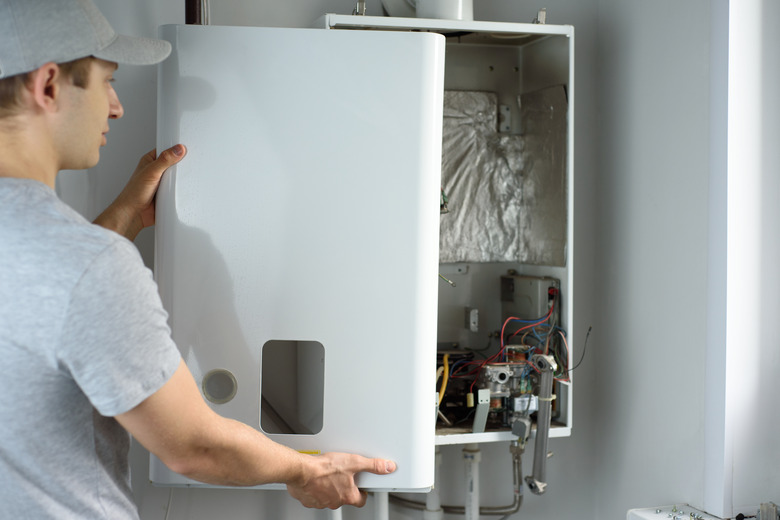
(445, 378)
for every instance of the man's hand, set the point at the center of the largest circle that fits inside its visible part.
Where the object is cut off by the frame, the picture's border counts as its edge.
(329, 479)
(133, 209)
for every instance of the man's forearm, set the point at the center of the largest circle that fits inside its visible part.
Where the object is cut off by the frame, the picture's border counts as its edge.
(176, 425)
(120, 221)
(230, 453)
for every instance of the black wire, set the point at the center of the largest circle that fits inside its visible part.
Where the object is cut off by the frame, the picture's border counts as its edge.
(468, 416)
(584, 346)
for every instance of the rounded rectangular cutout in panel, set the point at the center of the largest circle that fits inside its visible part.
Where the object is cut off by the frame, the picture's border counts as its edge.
(292, 387)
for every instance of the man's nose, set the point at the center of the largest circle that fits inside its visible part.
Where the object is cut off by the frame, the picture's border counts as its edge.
(115, 108)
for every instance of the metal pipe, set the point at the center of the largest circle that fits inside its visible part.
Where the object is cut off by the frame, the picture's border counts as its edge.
(537, 481)
(193, 12)
(472, 457)
(433, 510)
(514, 507)
(381, 506)
(196, 12)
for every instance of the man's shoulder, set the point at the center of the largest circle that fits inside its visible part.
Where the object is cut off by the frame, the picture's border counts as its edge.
(38, 223)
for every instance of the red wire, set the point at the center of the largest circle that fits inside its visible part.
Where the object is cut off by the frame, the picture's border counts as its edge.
(457, 373)
(501, 350)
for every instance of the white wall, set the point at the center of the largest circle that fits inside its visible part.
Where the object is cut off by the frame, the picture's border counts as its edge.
(688, 166)
(647, 209)
(753, 246)
(653, 79)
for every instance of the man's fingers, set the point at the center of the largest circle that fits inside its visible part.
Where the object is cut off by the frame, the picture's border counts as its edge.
(359, 500)
(148, 157)
(383, 467)
(167, 158)
(332, 481)
(152, 166)
(172, 155)
(375, 466)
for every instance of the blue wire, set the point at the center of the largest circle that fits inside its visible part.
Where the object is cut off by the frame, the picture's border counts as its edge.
(460, 361)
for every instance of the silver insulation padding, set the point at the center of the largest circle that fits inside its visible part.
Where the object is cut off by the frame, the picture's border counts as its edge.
(507, 193)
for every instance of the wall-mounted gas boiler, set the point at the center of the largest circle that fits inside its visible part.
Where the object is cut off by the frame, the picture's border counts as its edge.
(297, 243)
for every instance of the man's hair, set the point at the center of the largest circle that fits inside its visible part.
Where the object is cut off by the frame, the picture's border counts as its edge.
(11, 88)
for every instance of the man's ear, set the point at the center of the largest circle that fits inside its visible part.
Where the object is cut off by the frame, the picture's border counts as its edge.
(45, 87)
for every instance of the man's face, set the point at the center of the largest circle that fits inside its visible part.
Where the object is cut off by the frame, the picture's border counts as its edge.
(86, 113)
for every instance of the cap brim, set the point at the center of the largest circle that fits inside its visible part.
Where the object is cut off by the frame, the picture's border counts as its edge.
(134, 50)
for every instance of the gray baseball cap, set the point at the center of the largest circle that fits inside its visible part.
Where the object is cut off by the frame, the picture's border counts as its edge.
(34, 32)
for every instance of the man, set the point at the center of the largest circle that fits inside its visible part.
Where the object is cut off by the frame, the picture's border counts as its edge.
(86, 354)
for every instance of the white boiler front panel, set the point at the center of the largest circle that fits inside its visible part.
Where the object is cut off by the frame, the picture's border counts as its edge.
(297, 242)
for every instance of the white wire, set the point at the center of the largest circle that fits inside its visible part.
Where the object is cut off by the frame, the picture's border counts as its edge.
(205, 12)
(168, 508)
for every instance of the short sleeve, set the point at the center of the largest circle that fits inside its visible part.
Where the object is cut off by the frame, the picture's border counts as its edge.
(116, 343)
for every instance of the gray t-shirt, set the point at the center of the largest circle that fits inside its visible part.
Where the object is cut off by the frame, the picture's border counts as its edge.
(83, 337)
